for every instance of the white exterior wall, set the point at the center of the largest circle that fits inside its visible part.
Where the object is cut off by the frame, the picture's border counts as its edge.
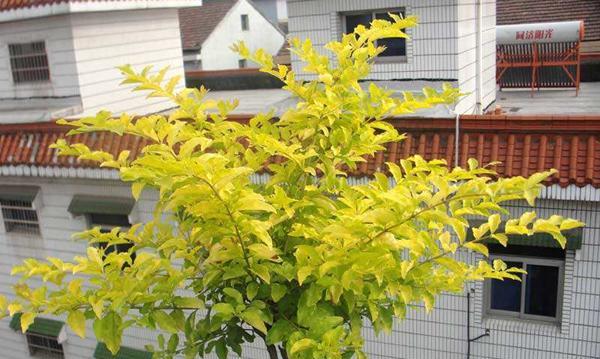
(56, 32)
(216, 54)
(441, 334)
(102, 42)
(468, 55)
(441, 47)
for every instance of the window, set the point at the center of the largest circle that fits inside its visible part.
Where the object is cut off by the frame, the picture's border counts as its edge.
(245, 22)
(18, 209)
(29, 62)
(538, 295)
(395, 47)
(44, 346)
(242, 63)
(107, 222)
(106, 213)
(44, 336)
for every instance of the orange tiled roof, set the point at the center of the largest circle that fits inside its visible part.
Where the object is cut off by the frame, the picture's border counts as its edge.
(524, 145)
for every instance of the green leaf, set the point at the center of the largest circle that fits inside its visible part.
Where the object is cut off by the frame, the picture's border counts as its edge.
(277, 291)
(235, 294)
(164, 321)
(221, 349)
(253, 318)
(108, 330)
(189, 302)
(76, 320)
(280, 330)
(224, 308)
(302, 345)
(251, 290)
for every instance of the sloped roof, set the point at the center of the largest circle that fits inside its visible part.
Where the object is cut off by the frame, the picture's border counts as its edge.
(6, 5)
(197, 23)
(523, 145)
(521, 12)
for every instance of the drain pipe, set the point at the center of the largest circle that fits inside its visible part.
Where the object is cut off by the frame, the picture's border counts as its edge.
(479, 60)
(456, 138)
(469, 339)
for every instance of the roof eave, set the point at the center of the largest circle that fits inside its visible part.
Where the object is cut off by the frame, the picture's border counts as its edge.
(68, 7)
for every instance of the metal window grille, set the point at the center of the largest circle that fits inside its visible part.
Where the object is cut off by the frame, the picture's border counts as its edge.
(43, 346)
(245, 22)
(29, 62)
(242, 63)
(20, 217)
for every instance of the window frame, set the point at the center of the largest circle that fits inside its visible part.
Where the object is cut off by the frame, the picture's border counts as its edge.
(245, 22)
(16, 80)
(10, 207)
(379, 59)
(108, 227)
(527, 260)
(244, 62)
(35, 349)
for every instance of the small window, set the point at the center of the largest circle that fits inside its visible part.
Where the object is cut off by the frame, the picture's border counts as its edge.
(20, 216)
(242, 63)
(245, 22)
(44, 346)
(107, 222)
(29, 62)
(395, 47)
(538, 295)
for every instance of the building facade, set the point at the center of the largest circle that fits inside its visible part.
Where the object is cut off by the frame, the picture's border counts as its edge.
(44, 199)
(454, 41)
(208, 32)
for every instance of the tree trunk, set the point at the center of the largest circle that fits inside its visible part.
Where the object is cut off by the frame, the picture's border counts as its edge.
(272, 350)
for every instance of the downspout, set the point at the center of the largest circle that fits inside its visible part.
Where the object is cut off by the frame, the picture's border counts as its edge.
(456, 138)
(479, 61)
(469, 339)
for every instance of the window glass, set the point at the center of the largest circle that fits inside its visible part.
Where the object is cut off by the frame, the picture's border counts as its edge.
(352, 21)
(506, 294)
(245, 22)
(541, 290)
(395, 46)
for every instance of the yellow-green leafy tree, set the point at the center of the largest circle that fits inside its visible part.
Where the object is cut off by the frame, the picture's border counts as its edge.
(301, 261)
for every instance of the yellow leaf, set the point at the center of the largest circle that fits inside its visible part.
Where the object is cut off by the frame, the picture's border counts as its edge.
(26, 321)
(478, 247)
(76, 320)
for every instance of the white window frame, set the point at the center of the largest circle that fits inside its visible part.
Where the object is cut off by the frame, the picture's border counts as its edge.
(553, 262)
(374, 12)
(7, 229)
(44, 351)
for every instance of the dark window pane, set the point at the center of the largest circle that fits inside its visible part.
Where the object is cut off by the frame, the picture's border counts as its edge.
(395, 46)
(352, 21)
(117, 220)
(506, 294)
(541, 290)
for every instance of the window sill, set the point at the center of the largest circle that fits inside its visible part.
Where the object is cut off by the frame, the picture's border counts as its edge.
(518, 325)
(391, 60)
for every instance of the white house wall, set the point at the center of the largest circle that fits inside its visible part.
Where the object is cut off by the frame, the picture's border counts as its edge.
(441, 334)
(216, 54)
(441, 47)
(467, 11)
(56, 32)
(104, 41)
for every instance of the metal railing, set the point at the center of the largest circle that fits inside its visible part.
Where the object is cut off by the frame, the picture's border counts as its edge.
(20, 217)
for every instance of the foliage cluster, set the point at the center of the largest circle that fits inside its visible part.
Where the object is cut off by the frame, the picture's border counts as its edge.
(301, 261)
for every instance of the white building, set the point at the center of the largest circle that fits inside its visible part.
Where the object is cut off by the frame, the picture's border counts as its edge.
(45, 199)
(59, 59)
(454, 41)
(209, 31)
